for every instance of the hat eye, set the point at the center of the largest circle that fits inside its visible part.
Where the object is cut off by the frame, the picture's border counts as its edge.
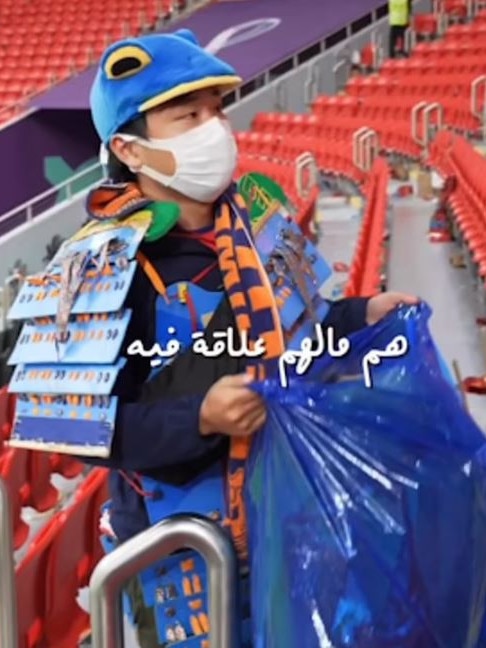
(126, 62)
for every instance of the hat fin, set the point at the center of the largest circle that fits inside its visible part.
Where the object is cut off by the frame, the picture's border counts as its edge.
(187, 35)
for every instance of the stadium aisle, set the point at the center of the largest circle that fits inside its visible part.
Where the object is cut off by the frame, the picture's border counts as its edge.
(338, 226)
(423, 268)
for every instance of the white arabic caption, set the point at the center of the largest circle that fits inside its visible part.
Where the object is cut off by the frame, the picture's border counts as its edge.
(225, 342)
(303, 359)
(395, 349)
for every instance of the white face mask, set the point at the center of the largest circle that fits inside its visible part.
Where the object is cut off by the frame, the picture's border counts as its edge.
(205, 159)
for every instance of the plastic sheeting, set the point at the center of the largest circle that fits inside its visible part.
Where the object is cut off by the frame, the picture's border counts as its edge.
(367, 508)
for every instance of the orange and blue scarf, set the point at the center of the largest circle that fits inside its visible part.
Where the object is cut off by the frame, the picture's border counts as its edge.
(255, 309)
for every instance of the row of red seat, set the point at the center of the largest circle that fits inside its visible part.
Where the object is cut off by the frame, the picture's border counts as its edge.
(440, 71)
(428, 24)
(61, 557)
(452, 91)
(453, 156)
(365, 275)
(328, 132)
(29, 32)
(452, 10)
(27, 474)
(287, 136)
(58, 563)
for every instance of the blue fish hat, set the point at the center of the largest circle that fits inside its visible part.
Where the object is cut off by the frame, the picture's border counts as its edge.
(138, 74)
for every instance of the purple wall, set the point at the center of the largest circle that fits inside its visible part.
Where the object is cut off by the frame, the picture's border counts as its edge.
(25, 144)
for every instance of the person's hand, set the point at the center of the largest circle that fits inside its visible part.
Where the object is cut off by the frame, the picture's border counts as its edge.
(231, 408)
(382, 304)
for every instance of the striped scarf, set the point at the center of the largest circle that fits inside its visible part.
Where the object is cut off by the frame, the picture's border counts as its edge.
(255, 309)
(251, 298)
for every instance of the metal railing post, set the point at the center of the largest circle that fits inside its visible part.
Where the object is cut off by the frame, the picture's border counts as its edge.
(280, 97)
(477, 111)
(428, 111)
(342, 60)
(303, 162)
(416, 112)
(151, 546)
(311, 88)
(366, 147)
(8, 595)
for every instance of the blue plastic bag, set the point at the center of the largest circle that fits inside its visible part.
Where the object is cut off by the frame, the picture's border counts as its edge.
(367, 506)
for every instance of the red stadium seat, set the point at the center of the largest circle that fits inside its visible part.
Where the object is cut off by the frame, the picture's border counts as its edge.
(59, 562)
(83, 30)
(74, 553)
(43, 496)
(66, 466)
(365, 272)
(454, 157)
(33, 588)
(14, 470)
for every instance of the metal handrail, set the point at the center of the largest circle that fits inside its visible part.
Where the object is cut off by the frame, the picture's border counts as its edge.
(475, 86)
(416, 111)
(424, 111)
(145, 549)
(365, 148)
(428, 111)
(371, 149)
(378, 49)
(8, 596)
(310, 89)
(359, 136)
(342, 61)
(280, 96)
(28, 206)
(305, 161)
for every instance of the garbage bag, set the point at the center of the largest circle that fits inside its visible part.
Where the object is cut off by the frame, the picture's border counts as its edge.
(367, 505)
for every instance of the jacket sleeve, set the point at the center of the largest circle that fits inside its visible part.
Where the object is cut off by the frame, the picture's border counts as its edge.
(346, 316)
(159, 434)
(160, 428)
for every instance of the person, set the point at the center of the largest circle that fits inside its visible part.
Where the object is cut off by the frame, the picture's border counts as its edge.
(183, 425)
(399, 12)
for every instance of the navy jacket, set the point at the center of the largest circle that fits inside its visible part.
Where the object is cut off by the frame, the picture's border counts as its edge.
(157, 429)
